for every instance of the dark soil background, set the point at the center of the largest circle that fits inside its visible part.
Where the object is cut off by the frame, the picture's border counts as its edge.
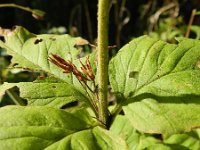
(71, 14)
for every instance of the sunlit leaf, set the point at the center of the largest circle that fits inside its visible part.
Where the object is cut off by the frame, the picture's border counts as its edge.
(158, 84)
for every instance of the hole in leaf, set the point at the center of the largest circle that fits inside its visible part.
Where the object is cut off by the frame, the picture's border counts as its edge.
(38, 41)
(72, 104)
(133, 74)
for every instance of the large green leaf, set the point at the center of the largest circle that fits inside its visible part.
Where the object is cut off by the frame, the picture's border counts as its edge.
(167, 115)
(159, 84)
(32, 51)
(122, 127)
(139, 141)
(49, 92)
(190, 140)
(97, 138)
(166, 147)
(147, 65)
(37, 127)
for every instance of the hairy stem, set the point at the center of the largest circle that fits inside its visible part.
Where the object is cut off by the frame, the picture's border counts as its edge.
(102, 46)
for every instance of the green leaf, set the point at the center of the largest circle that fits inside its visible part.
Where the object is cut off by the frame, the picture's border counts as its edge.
(5, 87)
(166, 147)
(190, 140)
(146, 65)
(159, 84)
(196, 30)
(122, 127)
(80, 140)
(13, 44)
(32, 51)
(107, 140)
(165, 115)
(48, 92)
(97, 138)
(38, 127)
(138, 141)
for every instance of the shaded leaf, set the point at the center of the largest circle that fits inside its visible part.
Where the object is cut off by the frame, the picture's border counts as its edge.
(49, 92)
(97, 138)
(166, 115)
(166, 147)
(190, 140)
(139, 141)
(122, 127)
(80, 140)
(37, 127)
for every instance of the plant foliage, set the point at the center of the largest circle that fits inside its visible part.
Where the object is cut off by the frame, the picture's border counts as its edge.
(156, 86)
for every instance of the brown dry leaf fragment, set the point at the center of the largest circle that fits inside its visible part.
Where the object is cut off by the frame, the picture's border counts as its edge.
(5, 32)
(81, 42)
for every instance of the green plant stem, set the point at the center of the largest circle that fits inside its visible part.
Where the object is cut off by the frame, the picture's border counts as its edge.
(16, 99)
(116, 110)
(37, 14)
(102, 47)
(16, 6)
